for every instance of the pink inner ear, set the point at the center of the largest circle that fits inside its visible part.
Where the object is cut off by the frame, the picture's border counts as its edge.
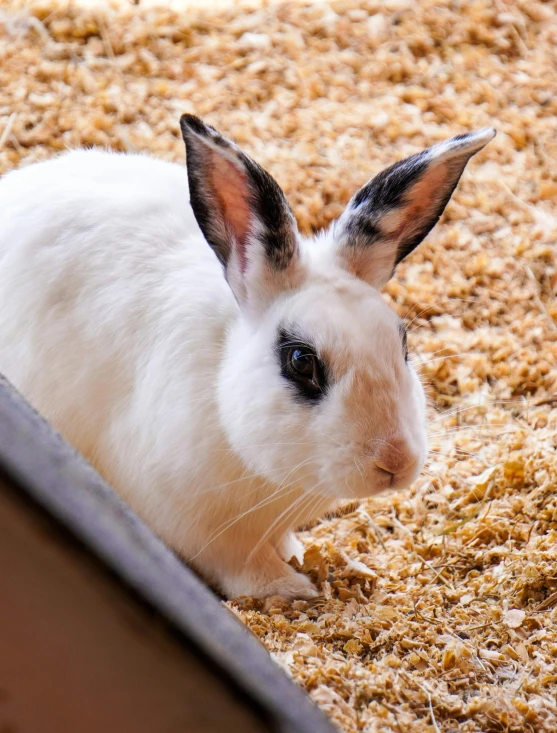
(230, 187)
(423, 197)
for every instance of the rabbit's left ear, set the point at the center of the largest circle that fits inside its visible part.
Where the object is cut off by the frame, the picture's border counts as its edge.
(394, 211)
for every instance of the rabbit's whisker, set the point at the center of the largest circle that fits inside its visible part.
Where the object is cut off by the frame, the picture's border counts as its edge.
(283, 518)
(448, 356)
(279, 493)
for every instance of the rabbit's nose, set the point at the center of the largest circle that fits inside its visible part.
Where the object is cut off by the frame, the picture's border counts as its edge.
(396, 457)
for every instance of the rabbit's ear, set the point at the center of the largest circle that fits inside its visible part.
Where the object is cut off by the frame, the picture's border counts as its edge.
(242, 213)
(394, 211)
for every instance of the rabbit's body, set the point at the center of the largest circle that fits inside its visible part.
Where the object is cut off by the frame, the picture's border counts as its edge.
(115, 334)
(117, 324)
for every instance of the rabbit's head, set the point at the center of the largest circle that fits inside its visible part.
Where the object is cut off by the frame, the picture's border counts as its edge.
(316, 388)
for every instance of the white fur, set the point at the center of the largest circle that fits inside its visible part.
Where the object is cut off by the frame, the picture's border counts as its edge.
(117, 324)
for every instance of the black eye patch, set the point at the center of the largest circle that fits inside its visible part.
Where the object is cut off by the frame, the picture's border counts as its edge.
(301, 367)
(404, 337)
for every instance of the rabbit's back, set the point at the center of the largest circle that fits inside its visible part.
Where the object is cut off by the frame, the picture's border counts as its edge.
(111, 302)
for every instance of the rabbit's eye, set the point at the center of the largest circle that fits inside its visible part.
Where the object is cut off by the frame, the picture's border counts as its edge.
(302, 362)
(301, 366)
(304, 367)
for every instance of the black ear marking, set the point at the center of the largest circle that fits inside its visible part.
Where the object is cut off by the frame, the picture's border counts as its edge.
(273, 211)
(234, 199)
(388, 187)
(191, 122)
(201, 198)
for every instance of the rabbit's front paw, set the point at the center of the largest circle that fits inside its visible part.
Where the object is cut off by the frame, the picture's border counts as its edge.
(293, 587)
(269, 576)
(291, 547)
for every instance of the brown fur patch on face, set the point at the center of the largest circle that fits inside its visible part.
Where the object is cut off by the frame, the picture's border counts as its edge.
(369, 401)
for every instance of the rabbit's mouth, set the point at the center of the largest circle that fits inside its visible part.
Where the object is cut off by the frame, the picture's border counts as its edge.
(388, 477)
(397, 480)
(373, 479)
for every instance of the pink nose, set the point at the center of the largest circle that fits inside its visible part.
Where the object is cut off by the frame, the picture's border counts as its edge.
(395, 457)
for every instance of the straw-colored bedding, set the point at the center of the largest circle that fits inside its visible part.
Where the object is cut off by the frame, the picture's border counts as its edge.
(439, 604)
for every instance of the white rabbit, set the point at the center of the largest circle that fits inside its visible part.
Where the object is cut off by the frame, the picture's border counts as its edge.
(227, 398)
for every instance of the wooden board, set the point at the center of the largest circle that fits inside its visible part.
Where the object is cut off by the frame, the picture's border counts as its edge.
(101, 627)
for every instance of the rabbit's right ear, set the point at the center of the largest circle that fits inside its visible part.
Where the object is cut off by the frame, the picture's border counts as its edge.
(392, 213)
(243, 215)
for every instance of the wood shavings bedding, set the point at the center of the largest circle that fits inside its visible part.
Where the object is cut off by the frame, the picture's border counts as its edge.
(439, 604)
